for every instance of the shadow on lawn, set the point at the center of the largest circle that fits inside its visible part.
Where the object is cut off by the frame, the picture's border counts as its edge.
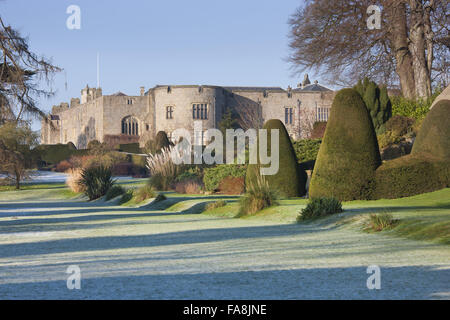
(410, 282)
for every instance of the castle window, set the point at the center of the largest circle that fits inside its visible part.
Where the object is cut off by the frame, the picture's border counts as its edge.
(169, 112)
(322, 114)
(130, 101)
(288, 115)
(130, 126)
(200, 111)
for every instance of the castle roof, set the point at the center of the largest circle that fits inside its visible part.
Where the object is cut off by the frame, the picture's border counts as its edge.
(119, 94)
(316, 87)
(260, 89)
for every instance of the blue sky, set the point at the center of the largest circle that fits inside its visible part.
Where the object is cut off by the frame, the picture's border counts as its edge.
(145, 43)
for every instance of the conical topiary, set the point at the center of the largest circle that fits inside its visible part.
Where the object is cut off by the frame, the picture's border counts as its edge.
(434, 135)
(161, 141)
(290, 180)
(349, 154)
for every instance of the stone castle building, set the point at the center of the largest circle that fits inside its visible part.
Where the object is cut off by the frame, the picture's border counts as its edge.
(120, 118)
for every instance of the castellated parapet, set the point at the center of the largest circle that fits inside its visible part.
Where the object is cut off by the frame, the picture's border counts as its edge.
(167, 108)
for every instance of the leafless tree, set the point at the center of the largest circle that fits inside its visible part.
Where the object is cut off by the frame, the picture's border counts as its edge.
(410, 49)
(306, 122)
(21, 71)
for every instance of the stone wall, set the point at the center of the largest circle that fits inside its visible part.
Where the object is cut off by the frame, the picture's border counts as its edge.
(97, 115)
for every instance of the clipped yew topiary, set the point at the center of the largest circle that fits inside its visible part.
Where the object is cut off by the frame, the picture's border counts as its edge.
(349, 154)
(161, 141)
(411, 175)
(427, 168)
(290, 180)
(434, 134)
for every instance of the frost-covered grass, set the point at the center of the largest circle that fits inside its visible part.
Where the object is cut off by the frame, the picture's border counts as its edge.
(168, 250)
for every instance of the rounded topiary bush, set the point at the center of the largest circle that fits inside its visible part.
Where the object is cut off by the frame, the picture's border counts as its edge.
(161, 141)
(434, 134)
(411, 175)
(290, 180)
(349, 155)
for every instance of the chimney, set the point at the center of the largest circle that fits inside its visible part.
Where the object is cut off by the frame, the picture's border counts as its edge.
(142, 91)
(305, 81)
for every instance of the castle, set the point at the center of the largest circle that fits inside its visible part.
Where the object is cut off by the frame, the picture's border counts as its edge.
(120, 118)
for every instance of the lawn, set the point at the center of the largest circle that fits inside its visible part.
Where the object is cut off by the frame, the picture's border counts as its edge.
(176, 250)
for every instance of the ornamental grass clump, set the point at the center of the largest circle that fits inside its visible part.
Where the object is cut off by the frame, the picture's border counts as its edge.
(320, 207)
(380, 222)
(215, 205)
(144, 193)
(258, 196)
(163, 171)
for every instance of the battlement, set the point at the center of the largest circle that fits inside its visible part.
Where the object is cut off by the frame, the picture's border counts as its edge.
(89, 94)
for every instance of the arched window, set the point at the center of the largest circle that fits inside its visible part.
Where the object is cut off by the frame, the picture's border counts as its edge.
(130, 126)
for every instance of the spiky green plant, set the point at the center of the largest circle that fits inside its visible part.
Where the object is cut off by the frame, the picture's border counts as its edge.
(97, 181)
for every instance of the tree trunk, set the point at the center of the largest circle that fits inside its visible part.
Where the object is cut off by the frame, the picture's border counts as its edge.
(399, 41)
(17, 180)
(417, 46)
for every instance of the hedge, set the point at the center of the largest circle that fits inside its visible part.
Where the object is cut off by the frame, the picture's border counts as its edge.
(411, 175)
(306, 149)
(130, 148)
(213, 176)
(290, 180)
(349, 155)
(53, 154)
(434, 135)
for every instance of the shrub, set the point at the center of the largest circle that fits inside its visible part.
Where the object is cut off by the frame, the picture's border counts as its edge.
(320, 207)
(215, 205)
(413, 108)
(160, 197)
(193, 173)
(127, 196)
(114, 191)
(53, 154)
(189, 187)
(97, 181)
(122, 169)
(306, 149)
(108, 159)
(71, 146)
(349, 154)
(318, 130)
(290, 180)
(73, 180)
(63, 166)
(144, 193)
(400, 125)
(258, 196)
(434, 135)
(380, 222)
(411, 175)
(93, 144)
(387, 139)
(377, 102)
(130, 148)
(213, 176)
(161, 141)
(232, 186)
